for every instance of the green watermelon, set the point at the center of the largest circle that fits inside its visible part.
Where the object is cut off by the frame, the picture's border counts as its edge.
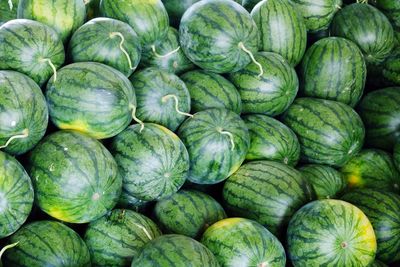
(23, 113)
(176, 8)
(162, 97)
(153, 161)
(380, 111)
(268, 192)
(188, 213)
(91, 98)
(218, 35)
(325, 180)
(342, 66)
(118, 237)
(16, 195)
(75, 178)
(271, 140)
(391, 69)
(391, 8)
(210, 90)
(329, 132)
(107, 41)
(31, 48)
(92, 9)
(47, 243)
(8, 10)
(282, 29)
(175, 250)
(65, 16)
(243, 242)
(273, 92)
(331, 233)
(396, 155)
(217, 141)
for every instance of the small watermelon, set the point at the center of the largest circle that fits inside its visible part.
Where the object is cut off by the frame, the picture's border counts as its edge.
(8, 10)
(396, 155)
(176, 8)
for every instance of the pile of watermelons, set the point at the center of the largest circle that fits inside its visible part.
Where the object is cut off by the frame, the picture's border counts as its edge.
(199, 133)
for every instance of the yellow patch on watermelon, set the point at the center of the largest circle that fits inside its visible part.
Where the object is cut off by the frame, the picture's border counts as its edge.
(80, 126)
(58, 214)
(226, 222)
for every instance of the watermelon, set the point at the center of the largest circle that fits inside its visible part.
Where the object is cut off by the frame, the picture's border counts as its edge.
(217, 141)
(243, 242)
(92, 9)
(188, 213)
(31, 48)
(268, 192)
(75, 178)
(176, 8)
(218, 36)
(107, 41)
(210, 90)
(153, 162)
(342, 62)
(331, 232)
(391, 8)
(16, 195)
(65, 16)
(271, 140)
(23, 113)
(8, 10)
(47, 243)
(118, 237)
(282, 29)
(175, 250)
(325, 180)
(149, 19)
(162, 97)
(273, 91)
(391, 69)
(329, 132)
(380, 111)
(91, 98)
(396, 155)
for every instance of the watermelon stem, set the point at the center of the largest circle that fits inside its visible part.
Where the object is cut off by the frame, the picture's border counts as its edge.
(144, 230)
(362, 1)
(153, 48)
(24, 134)
(241, 46)
(10, 4)
(7, 247)
(121, 46)
(165, 99)
(51, 65)
(133, 107)
(230, 137)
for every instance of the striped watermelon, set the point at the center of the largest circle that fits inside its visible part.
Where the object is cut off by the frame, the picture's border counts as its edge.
(175, 250)
(391, 69)
(153, 161)
(176, 8)
(31, 48)
(391, 8)
(118, 237)
(23, 113)
(210, 90)
(188, 213)
(47, 243)
(65, 16)
(271, 140)
(329, 132)
(380, 111)
(16, 195)
(345, 70)
(91, 98)
(331, 233)
(282, 29)
(126, 201)
(217, 141)
(326, 181)
(8, 10)
(75, 178)
(396, 155)
(107, 41)
(243, 242)
(218, 35)
(268, 192)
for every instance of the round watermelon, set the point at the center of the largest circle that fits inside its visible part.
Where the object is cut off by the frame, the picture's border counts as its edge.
(330, 233)
(75, 178)
(217, 141)
(23, 113)
(391, 69)
(127, 201)
(396, 155)
(31, 48)
(8, 10)
(176, 8)
(118, 237)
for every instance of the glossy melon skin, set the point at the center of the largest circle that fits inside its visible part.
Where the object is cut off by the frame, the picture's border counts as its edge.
(176, 8)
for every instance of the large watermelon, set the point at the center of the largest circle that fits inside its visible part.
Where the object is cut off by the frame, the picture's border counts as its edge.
(333, 68)
(75, 178)
(107, 41)
(32, 48)
(331, 233)
(396, 155)
(23, 113)
(329, 132)
(271, 140)
(47, 243)
(217, 141)
(243, 242)
(8, 10)
(218, 35)
(273, 91)
(118, 237)
(268, 192)
(176, 8)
